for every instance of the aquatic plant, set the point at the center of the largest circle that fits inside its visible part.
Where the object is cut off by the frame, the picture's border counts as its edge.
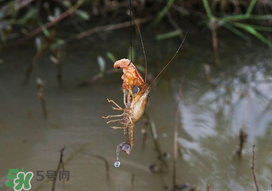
(235, 22)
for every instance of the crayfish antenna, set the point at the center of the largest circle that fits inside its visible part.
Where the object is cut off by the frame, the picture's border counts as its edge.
(181, 44)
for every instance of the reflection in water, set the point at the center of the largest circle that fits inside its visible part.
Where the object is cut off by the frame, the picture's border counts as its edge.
(236, 96)
(212, 119)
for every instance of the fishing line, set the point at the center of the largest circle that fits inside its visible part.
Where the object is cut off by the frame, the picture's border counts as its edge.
(130, 32)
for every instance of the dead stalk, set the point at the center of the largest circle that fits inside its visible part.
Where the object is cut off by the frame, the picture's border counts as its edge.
(59, 76)
(96, 77)
(215, 46)
(174, 176)
(154, 134)
(253, 168)
(61, 164)
(109, 28)
(59, 66)
(40, 95)
(151, 125)
(208, 187)
(242, 138)
(144, 132)
(31, 66)
(132, 179)
(178, 112)
(106, 164)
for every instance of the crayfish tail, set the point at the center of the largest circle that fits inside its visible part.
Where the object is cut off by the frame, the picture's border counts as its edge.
(124, 147)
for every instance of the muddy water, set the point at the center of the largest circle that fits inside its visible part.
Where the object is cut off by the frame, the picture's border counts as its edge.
(213, 111)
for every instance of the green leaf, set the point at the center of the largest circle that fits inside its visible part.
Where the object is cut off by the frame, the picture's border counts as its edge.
(38, 43)
(168, 35)
(253, 32)
(250, 7)
(111, 56)
(261, 28)
(67, 3)
(31, 14)
(83, 14)
(235, 31)
(101, 63)
(163, 12)
(207, 8)
(57, 12)
(246, 17)
(44, 29)
(57, 44)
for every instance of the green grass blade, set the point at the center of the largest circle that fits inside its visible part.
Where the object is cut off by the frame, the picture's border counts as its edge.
(207, 8)
(246, 17)
(235, 31)
(261, 28)
(111, 57)
(251, 7)
(253, 32)
(163, 12)
(168, 35)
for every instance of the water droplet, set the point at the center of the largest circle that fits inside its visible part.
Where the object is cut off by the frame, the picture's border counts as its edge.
(117, 155)
(117, 164)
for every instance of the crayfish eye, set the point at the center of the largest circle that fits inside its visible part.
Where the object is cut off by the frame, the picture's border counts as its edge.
(135, 89)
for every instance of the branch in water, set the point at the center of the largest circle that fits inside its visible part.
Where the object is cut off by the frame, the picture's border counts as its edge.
(253, 168)
(61, 164)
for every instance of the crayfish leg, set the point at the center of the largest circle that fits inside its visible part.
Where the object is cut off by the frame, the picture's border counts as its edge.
(115, 120)
(111, 116)
(117, 108)
(111, 101)
(115, 127)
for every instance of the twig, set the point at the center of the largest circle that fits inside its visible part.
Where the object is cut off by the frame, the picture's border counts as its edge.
(31, 66)
(97, 77)
(178, 113)
(52, 23)
(215, 46)
(253, 168)
(144, 132)
(40, 95)
(174, 176)
(109, 28)
(174, 24)
(208, 187)
(106, 164)
(70, 158)
(58, 62)
(59, 165)
(242, 138)
(132, 179)
(154, 134)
